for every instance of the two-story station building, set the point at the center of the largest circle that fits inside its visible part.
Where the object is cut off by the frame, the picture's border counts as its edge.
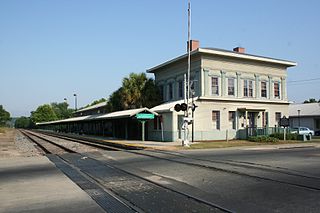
(236, 93)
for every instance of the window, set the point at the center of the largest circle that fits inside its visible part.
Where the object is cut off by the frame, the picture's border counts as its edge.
(230, 86)
(161, 91)
(232, 119)
(263, 89)
(278, 117)
(180, 89)
(276, 90)
(170, 91)
(214, 86)
(216, 119)
(247, 88)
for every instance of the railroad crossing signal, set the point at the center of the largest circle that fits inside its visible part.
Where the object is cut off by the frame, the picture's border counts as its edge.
(183, 107)
(180, 107)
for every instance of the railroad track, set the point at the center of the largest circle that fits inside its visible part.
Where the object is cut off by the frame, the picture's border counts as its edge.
(105, 176)
(240, 168)
(276, 175)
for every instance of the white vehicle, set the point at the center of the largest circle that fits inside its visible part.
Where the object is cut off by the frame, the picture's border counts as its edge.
(302, 131)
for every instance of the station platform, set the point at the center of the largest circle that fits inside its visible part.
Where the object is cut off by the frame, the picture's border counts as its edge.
(130, 143)
(34, 184)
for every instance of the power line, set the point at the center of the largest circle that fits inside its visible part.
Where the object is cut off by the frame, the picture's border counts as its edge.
(305, 80)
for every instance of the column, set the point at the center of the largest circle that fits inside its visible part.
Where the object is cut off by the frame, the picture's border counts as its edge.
(270, 92)
(283, 88)
(206, 82)
(257, 85)
(238, 84)
(223, 83)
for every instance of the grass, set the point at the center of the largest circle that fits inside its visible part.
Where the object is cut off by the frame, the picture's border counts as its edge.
(239, 143)
(2, 130)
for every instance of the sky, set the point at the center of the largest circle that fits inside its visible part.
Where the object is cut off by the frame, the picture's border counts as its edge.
(51, 49)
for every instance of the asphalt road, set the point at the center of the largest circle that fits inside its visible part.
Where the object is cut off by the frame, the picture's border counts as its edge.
(243, 180)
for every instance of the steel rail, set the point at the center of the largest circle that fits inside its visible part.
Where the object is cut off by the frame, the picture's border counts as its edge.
(208, 203)
(221, 169)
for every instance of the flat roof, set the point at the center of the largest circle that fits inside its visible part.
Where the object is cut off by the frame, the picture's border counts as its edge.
(93, 107)
(227, 53)
(308, 109)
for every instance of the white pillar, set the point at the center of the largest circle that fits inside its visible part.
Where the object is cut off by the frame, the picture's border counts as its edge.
(257, 85)
(283, 89)
(238, 84)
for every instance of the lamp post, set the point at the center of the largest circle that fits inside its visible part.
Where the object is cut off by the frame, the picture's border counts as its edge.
(65, 100)
(299, 117)
(75, 101)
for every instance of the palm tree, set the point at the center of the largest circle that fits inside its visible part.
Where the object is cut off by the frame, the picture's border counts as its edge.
(136, 91)
(132, 90)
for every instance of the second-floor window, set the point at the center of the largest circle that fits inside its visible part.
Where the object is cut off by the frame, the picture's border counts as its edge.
(161, 88)
(247, 88)
(170, 91)
(180, 89)
(276, 90)
(263, 89)
(214, 86)
(230, 86)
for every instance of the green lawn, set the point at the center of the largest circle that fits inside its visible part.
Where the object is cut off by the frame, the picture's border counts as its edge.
(2, 130)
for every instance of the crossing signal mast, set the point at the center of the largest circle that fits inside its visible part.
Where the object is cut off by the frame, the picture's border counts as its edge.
(185, 106)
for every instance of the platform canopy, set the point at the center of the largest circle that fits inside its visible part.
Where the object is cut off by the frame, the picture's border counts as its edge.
(108, 116)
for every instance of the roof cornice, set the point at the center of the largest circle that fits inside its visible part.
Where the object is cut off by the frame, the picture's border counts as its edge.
(226, 53)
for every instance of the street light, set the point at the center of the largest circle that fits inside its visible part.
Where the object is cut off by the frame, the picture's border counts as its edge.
(65, 100)
(75, 101)
(299, 117)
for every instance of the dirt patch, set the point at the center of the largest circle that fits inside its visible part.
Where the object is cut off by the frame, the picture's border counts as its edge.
(14, 144)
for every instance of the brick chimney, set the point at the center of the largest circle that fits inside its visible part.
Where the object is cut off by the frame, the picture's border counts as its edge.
(194, 45)
(239, 49)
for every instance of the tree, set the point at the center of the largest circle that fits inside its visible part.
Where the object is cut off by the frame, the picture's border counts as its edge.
(61, 110)
(136, 91)
(97, 101)
(115, 102)
(132, 87)
(43, 113)
(311, 100)
(151, 94)
(23, 122)
(4, 116)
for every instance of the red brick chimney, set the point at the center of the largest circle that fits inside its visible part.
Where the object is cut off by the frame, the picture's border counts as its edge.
(194, 45)
(239, 49)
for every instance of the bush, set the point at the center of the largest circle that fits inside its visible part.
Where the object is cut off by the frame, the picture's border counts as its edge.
(289, 136)
(263, 138)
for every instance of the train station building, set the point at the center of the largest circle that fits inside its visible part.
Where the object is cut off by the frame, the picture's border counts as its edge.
(237, 95)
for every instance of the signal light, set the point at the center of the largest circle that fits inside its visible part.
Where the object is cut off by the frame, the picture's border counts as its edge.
(181, 107)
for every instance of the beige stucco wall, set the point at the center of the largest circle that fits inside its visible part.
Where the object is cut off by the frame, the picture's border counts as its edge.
(240, 70)
(205, 66)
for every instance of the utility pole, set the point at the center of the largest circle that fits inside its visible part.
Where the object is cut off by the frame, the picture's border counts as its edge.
(186, 119)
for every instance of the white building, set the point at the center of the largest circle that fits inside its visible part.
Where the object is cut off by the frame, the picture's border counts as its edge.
(233, 90)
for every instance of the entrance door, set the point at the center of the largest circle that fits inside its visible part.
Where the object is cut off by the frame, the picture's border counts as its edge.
(252, 123)
(252, 119)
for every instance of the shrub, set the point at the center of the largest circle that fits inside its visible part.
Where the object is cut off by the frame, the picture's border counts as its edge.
(289, 136)
(263, 138)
